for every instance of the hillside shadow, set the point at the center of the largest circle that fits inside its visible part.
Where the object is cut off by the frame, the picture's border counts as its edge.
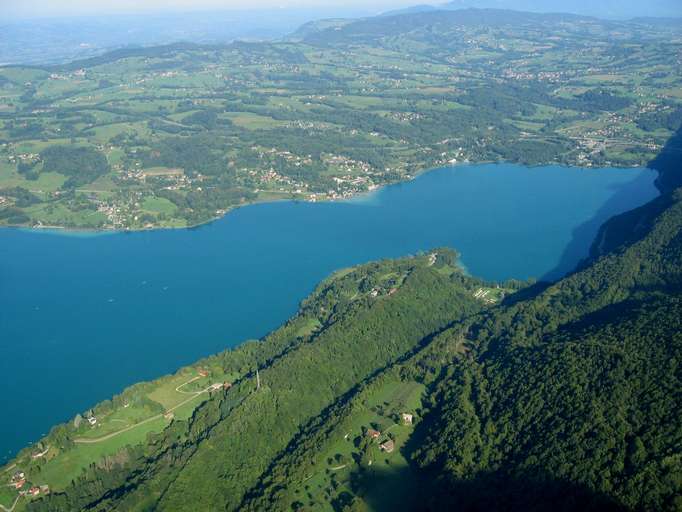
(410, 489)
(430, 490)
(668, 163)
(607, 229)
(499, 492)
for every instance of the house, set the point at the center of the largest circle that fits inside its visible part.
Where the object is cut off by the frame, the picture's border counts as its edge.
(227, 385)
(407, 418)
(19, 475)
(92, 420)
(374, 434)
(387, 446)
(34, 491)
(19, 483)
(203, 373)
(45, 489)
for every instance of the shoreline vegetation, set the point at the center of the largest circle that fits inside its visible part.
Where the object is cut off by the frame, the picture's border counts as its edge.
(147, 408)
(356, 196)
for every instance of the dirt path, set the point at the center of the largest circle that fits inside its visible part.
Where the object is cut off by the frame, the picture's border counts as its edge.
(3, 507)
(41, 454)
(188, 382)
(84, 440)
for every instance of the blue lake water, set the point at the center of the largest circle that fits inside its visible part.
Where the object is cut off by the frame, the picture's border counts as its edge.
(81, 317)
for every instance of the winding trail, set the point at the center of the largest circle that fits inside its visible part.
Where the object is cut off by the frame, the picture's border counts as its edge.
(3, 507)
(195, 394)
(188, 382)
(41, 454)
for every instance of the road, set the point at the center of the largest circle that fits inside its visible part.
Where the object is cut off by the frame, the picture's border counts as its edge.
(84, 440)
(3, 507)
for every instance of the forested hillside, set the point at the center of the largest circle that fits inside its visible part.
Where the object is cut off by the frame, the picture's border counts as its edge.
(569, 400)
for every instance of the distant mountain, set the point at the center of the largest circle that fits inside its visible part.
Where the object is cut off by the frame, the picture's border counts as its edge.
(493, 13)
(438, 22)
(56, 40)
(658, 22)
(603, 8)
(412, 10)
(314, 27)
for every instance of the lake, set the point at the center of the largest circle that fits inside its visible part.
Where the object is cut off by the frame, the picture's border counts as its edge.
(83, 316)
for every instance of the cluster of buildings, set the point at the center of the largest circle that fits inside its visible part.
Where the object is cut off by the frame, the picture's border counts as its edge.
(121, 211)
(376, 291)
(285, 155)
(405, 117)
(19, 480)
(482, 294)
(542, 76)
(388, 445)
(346, 164)
(26, 158)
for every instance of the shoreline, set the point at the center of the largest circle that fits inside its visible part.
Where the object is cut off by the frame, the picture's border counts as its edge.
(368, 194)
(86, 232)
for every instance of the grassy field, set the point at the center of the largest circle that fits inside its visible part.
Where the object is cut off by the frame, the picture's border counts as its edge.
(377, 475)
(142, 410)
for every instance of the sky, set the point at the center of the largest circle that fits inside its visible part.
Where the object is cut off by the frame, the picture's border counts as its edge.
(49, 8)
(10, 9)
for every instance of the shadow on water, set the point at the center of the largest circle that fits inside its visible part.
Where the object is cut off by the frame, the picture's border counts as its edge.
(668, 163)
(584, 235)
(606, 231)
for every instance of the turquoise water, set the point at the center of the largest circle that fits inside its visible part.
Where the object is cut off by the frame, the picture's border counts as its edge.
(81, 317)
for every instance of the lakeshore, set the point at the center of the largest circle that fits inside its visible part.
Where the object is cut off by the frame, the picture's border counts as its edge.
(145, 303)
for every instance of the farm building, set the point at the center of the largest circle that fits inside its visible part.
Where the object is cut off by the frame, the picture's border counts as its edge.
(387, 446)
(374, 434)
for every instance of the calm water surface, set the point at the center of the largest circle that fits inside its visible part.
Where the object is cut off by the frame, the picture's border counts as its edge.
(81, 317)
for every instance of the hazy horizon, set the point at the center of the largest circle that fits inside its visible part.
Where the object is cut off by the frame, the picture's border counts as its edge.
(36, 9)
(42, 9)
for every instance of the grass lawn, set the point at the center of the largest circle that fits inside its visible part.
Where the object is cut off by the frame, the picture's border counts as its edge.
(7, 494)
(252, 121)
(67, 465)
(159, 205)
(388, 476)
(59, 472)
